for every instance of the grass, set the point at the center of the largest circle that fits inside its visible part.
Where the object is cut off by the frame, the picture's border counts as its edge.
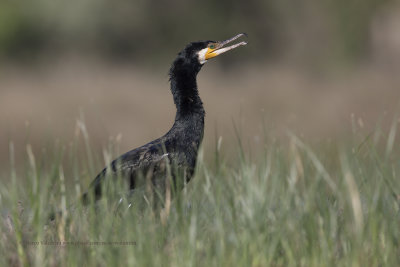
(293, 204)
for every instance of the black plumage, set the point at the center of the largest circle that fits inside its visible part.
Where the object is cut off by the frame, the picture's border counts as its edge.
(179, 146)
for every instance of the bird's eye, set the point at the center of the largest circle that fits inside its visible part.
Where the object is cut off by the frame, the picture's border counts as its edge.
(211, 46)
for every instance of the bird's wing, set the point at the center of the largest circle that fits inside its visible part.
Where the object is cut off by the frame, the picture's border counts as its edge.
(139, 163)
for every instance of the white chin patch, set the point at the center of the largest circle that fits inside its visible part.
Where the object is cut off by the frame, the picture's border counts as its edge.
(202, 55)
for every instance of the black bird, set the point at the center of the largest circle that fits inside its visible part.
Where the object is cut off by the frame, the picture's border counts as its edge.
(179, 146)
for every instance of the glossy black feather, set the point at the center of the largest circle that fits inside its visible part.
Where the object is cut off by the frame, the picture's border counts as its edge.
(179, 146)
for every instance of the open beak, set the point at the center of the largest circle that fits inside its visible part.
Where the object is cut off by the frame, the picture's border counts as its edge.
(218, 48)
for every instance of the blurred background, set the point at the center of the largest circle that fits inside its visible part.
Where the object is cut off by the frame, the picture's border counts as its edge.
(320, 69)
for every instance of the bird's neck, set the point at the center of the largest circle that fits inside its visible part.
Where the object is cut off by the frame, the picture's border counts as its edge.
(186, 95)
(189, 120)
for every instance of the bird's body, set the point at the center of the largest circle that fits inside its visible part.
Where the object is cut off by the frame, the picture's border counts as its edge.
(178, 148)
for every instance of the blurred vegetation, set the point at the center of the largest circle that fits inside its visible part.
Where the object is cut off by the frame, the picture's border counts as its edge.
(134, 30)
(334, 204)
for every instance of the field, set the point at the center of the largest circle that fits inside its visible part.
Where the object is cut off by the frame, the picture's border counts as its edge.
(336, 204)
(294, 171)
(300, 161)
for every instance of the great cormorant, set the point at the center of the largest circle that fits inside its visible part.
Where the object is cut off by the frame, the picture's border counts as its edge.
(178, 148)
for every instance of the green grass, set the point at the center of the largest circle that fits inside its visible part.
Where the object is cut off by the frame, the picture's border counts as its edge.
(293, 204)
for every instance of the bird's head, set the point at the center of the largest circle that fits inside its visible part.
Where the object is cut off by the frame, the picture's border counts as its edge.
(197, 53)
(187, 65)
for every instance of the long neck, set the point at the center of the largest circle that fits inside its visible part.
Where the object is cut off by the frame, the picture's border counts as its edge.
(189, 119)
(185, 93)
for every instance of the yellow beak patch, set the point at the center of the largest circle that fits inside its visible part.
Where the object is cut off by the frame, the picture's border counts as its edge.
(210, 53)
